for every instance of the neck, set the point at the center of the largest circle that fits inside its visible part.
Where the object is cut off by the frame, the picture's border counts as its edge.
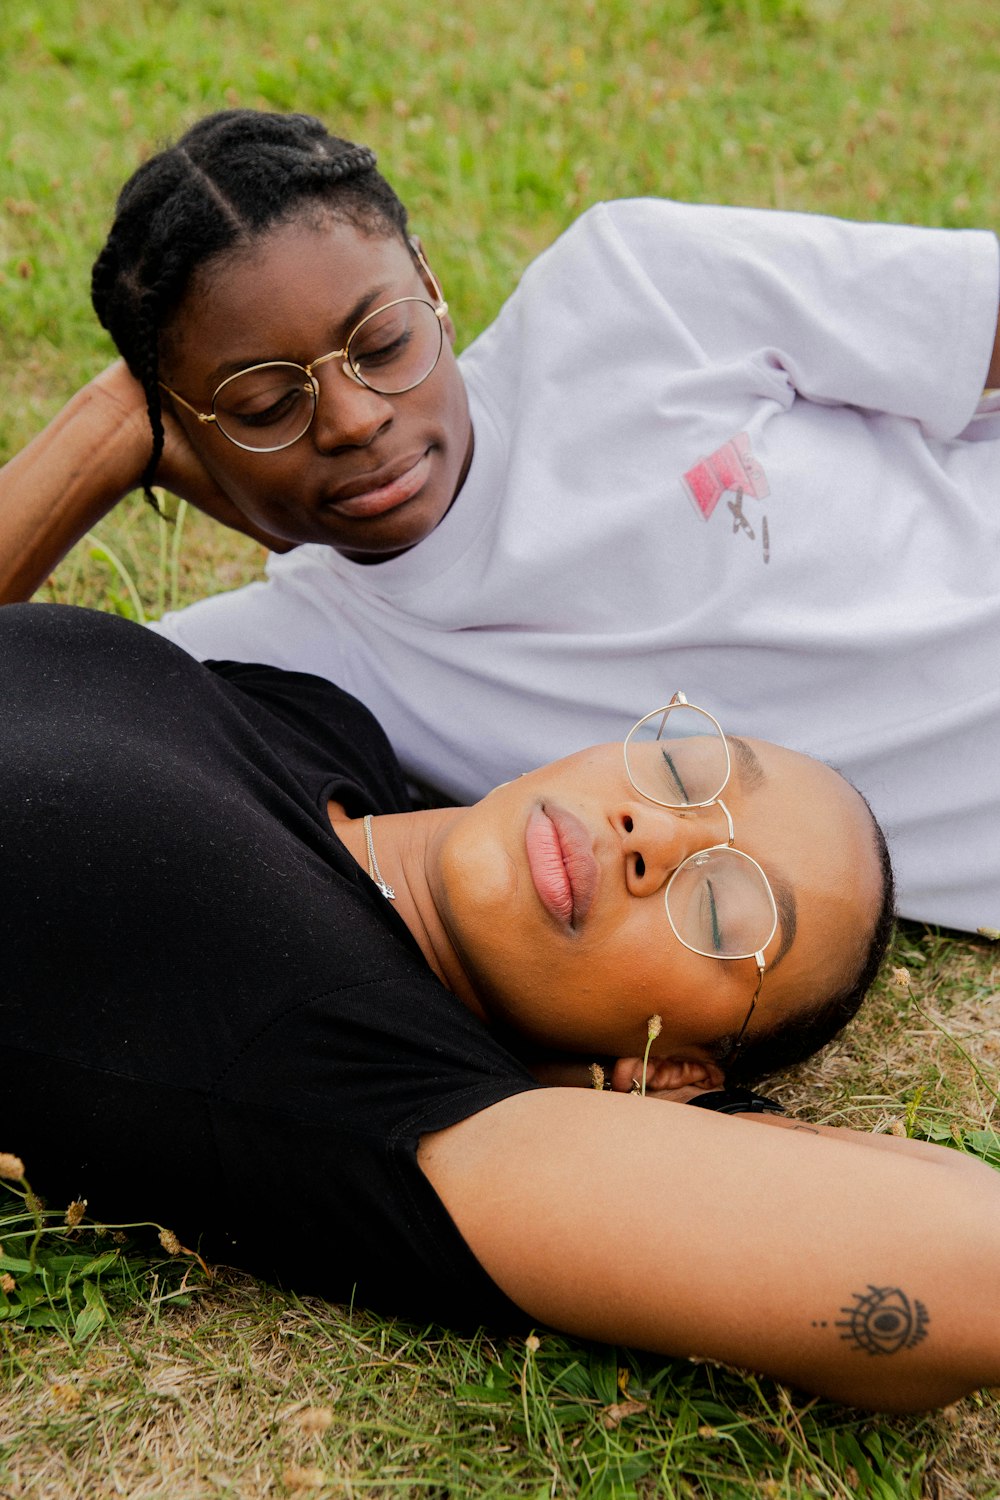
(406, 848)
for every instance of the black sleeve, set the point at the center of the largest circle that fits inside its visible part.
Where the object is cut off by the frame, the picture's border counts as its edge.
(209, 1017)
(318, 725)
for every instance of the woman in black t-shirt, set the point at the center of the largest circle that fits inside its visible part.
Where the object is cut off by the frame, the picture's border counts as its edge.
(237, 964)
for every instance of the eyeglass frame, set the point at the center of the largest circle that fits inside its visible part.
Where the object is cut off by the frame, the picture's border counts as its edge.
(679, 700)
(439, 308)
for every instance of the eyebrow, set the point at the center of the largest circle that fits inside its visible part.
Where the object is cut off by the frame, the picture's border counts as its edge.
(350, 321)
(752, 775)
(784, 900)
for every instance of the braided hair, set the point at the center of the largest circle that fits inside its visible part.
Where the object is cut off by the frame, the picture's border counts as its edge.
(231, 177)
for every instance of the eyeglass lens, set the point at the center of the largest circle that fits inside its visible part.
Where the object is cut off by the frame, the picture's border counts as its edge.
(390, 351)
(677, 757)
(719, 904)
(718, 900)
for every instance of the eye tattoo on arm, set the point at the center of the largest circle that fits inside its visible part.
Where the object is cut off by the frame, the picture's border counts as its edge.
(883, 1320)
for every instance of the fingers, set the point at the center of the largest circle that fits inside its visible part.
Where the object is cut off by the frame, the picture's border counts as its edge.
(665, 1074)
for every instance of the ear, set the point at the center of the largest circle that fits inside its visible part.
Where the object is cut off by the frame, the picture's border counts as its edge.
(666, 1073)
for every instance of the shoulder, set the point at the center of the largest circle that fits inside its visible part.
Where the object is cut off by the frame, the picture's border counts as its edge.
(316, 727)
(622, 238)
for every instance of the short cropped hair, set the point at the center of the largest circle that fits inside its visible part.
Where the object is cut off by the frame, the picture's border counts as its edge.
(799, 1036)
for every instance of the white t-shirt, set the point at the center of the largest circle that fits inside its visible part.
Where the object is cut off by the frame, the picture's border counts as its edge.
(729, 451)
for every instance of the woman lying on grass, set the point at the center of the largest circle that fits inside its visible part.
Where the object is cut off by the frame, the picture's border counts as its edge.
(251, 995)
(722, 446)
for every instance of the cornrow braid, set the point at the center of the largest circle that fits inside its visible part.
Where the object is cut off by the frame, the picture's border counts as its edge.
(231, 177)
(321, 172)
(148, 374)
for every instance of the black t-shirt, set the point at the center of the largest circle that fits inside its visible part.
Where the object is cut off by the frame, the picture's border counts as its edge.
(210, 1016)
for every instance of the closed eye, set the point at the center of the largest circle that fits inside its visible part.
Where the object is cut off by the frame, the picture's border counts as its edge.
(713, 912)
(675, 775)
(275, 412)
(372, 358)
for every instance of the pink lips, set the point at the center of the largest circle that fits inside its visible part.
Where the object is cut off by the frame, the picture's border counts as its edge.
(384, 494)
(561, 860)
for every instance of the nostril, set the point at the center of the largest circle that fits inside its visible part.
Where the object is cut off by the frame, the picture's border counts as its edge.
(627, 824)
(640, 866)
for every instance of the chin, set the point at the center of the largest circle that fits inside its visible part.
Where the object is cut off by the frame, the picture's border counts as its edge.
(398, 534)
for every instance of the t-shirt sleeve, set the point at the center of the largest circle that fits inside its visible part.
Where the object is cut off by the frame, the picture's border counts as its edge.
(885, 317)
(326, 738)
(266, 621)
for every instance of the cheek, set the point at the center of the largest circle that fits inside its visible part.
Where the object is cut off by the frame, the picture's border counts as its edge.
(246, 479)
(478, 892)
(264, 490)
(447, 406)
(595, 995)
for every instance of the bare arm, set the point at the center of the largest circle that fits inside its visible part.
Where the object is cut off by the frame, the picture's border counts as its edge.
(53, 491)
(866, 1274)
(571, 1072)
(90, 456)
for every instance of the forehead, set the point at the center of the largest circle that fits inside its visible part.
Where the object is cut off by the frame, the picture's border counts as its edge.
(819, 835)
(289, 293)
(317, 237)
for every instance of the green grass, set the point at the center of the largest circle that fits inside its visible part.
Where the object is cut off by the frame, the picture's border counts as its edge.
(498, 124)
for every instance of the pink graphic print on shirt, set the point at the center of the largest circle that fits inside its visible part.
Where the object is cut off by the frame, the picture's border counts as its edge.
(731, 467)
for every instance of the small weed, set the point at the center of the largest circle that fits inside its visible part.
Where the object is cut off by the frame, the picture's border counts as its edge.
(57, 1269)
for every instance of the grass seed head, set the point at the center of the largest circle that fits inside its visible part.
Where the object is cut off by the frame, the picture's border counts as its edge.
(7, 1283)
(66, 1396)
(304, 1477)
(314, 1419)
(75, 1212)
(11, 1166)
(170, 1242)
(614, 1415)
(596, 1076)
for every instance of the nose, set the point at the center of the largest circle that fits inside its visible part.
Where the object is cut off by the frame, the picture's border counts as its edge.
(348, 414)
(658, 839)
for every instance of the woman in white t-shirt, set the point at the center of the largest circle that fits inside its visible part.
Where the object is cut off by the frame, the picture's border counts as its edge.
(741, 449)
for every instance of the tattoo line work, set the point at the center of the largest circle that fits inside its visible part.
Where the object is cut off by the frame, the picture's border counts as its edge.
(883, 1320)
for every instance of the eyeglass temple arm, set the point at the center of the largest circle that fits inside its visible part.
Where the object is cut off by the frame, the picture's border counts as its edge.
(737, 1044)
(415, 249)
(203, 416)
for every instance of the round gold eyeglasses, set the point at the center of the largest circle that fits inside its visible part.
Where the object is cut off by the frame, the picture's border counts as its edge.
(719, 902)
(393, 349)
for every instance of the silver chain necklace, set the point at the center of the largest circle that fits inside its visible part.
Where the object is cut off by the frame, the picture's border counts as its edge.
(373, 870)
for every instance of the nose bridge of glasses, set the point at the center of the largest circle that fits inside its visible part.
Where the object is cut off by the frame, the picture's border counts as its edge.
(325, 359)
(730, 830)
(354, 405)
